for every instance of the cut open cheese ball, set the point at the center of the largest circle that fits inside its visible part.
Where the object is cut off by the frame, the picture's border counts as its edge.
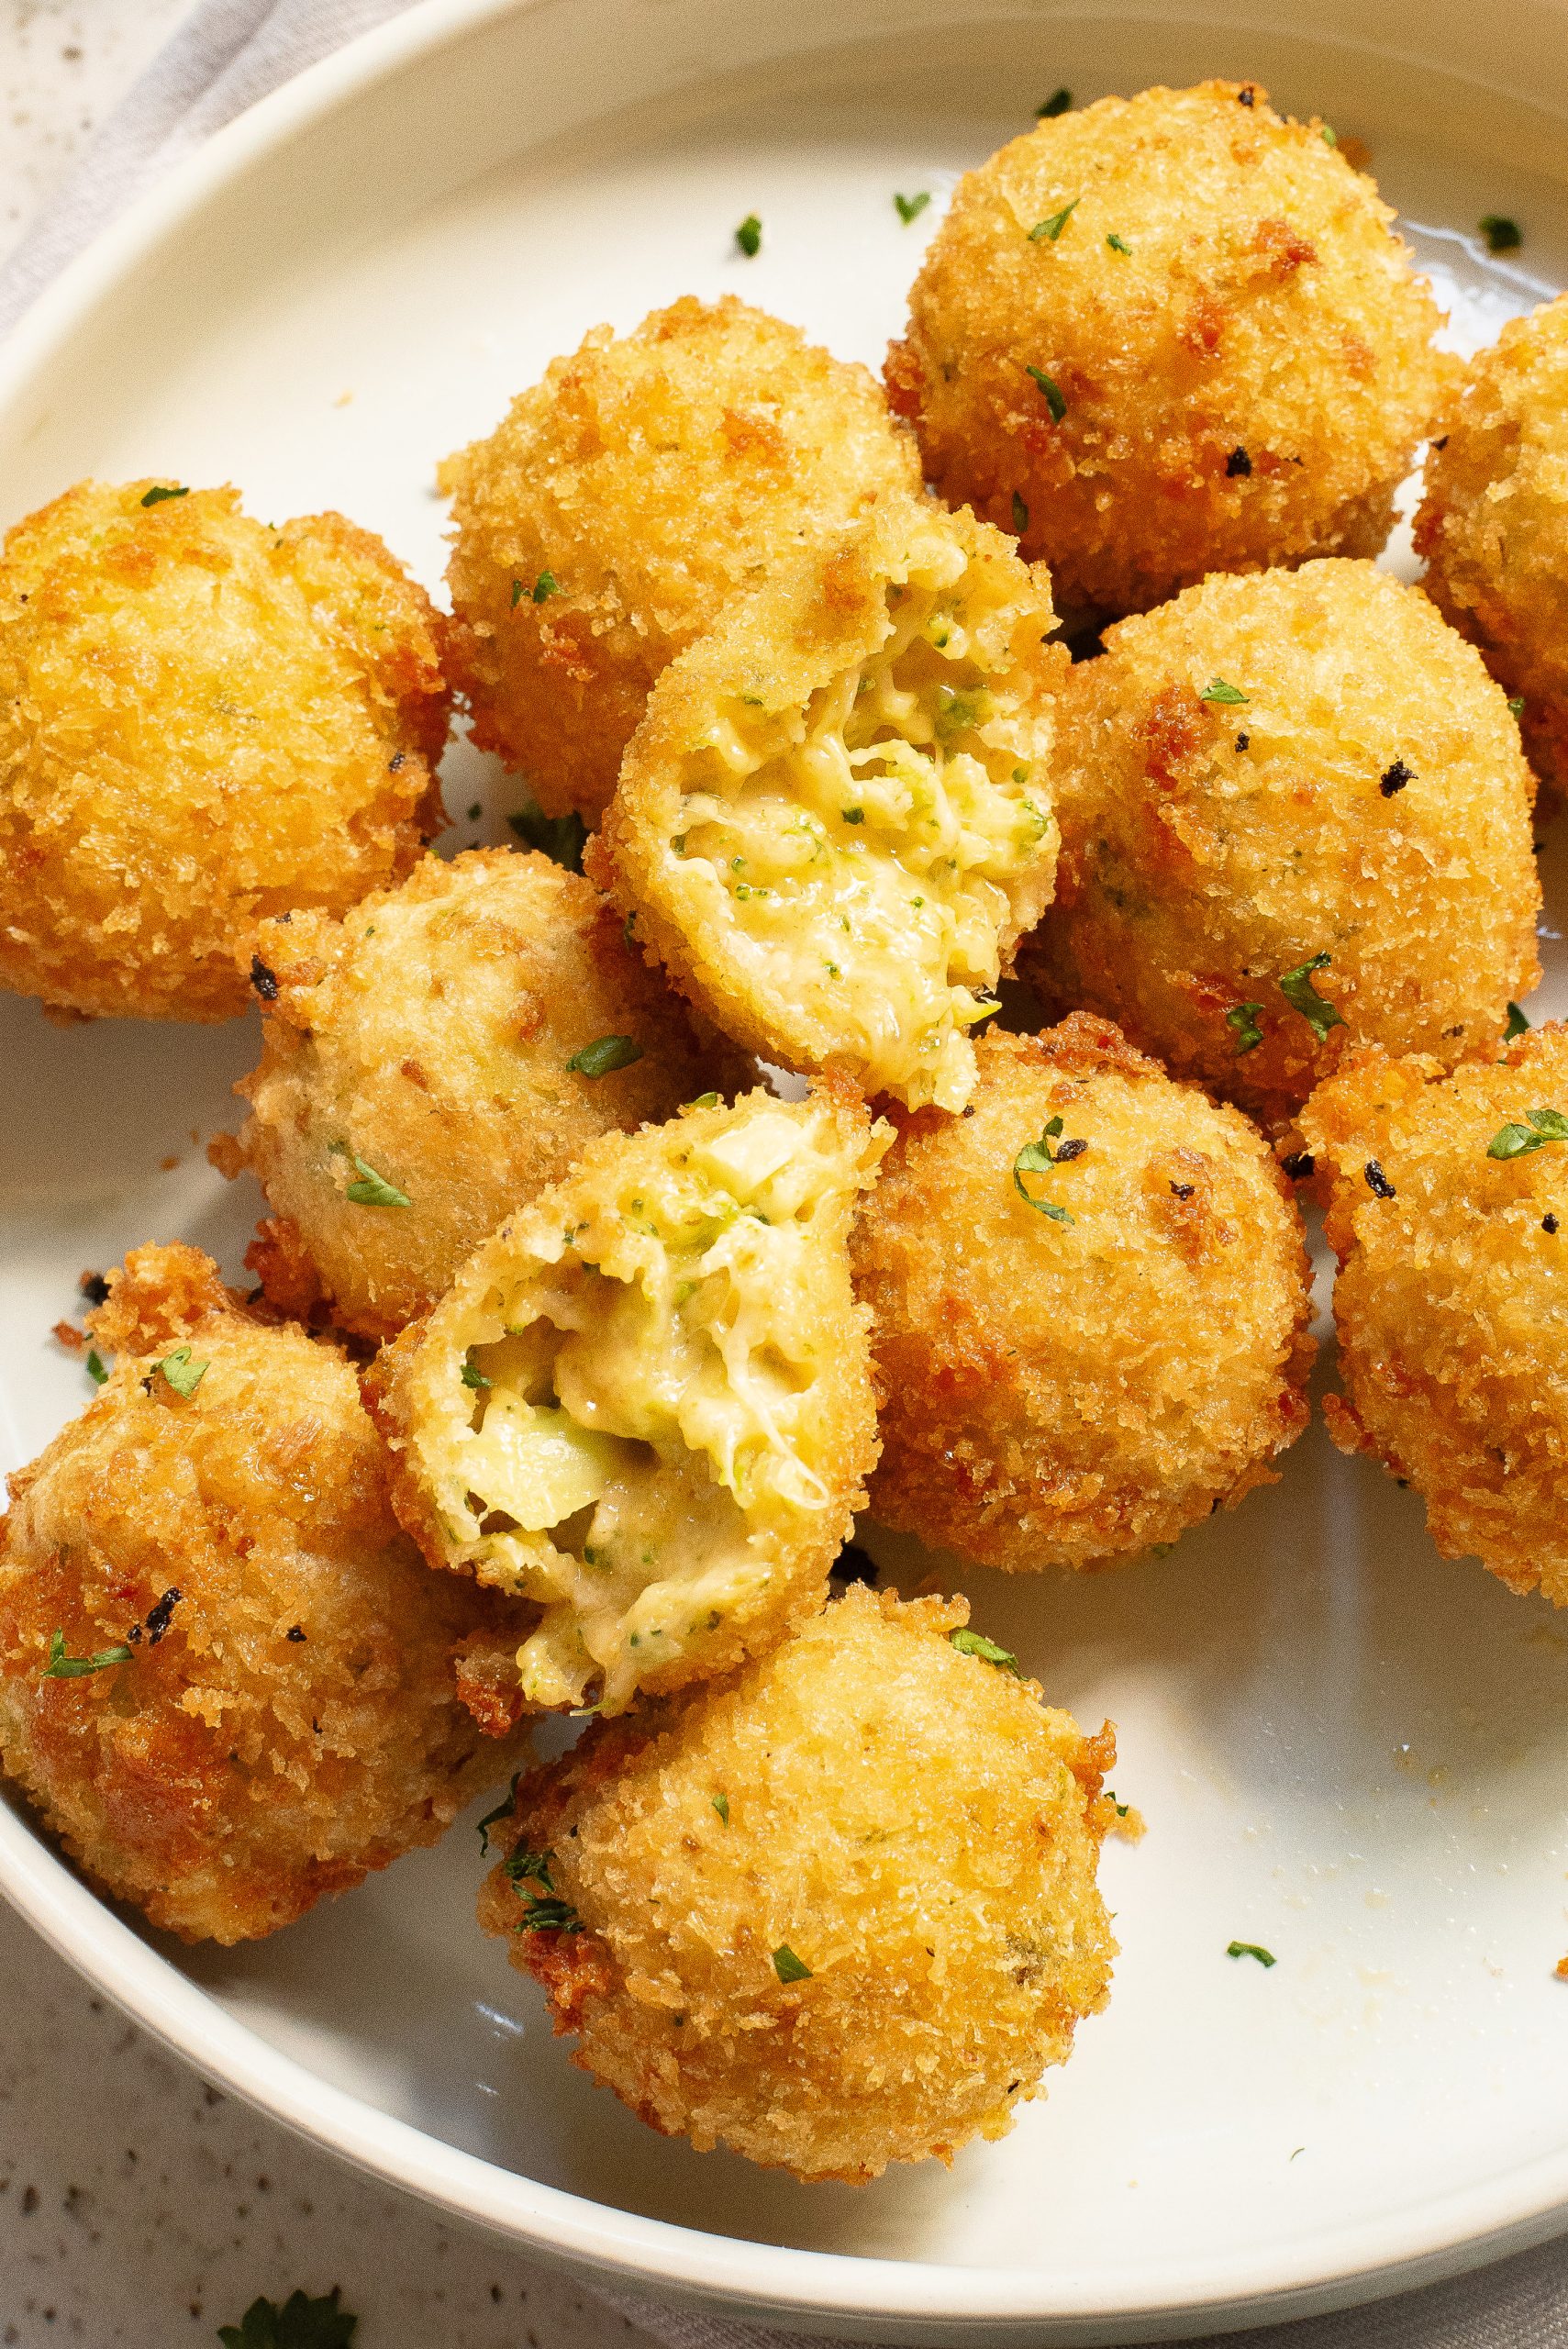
(646, 1402)
(835, 820)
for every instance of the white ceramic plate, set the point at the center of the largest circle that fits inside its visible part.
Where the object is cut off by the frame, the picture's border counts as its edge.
(1347, 1749)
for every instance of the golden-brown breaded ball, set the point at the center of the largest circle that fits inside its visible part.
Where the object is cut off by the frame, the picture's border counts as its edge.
(436, 1057)
(203, 720)
(227, 1680)
(1089, 1307)
(645, 1404)
(1449, 1212)
(1296, 818)
(837, 1913)
(1494, 523)
(836, 817)
(621, 503)
(1165, 335)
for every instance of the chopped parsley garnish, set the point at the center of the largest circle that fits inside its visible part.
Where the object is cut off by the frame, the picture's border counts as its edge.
(180, 1372)
(1517, 1026)
(1238, 464)
(97, 1371)
(721, 1804)
(788, 1967)
(1517, 703)
(1048, 231)
(604, 1054)
(1331, 136)
(543, 1912)
(1252, 1949)
(1502, 234)
(519, 592)
(546, 586)
(1243, 1017)
(1217, 690)
(158, 496)
(1395, 778)
(1038, 1158)
(1058, 102)
(1540, 1127)
(854, 815)
(970, 1642)
(748, 236)
(1055, 400)
(61, 1666)
(502, 1810)
(370, 1189)
(1020, 516)
(472, 1374)
(1117, 245)
(704, 1101)
(1301, 995)
(300, 2323)
(909, 207)
(561, 838)
(1377, 1182)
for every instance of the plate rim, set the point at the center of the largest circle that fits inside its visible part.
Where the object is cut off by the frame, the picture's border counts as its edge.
(1334, 2268)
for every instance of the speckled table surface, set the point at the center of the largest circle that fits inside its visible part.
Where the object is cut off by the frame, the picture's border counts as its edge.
(137, 2206)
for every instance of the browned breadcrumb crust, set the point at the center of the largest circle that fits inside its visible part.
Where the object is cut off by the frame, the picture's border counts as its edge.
(1068, 1393)
(1493, 524)
(429, 1033)
(1449, 1299)
(289, 1718)
(907, 1823)
(1269, 769)
(1242, 379)
(620, 504)
(203, 720)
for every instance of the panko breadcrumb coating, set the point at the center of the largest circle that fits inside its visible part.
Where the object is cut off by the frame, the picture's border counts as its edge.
(1170, 335)
(1081, 1358)
(1296, 818)
(1494, 523)
(203, 720)
(624, 501)
(645, 1403)
(838, 1913)
(463, 1037)
(836, 817)
(287, 1717)
(1452, 1290)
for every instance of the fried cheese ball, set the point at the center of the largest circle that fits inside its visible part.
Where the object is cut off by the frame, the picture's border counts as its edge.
(1089, 1307)
(645, 1403)
(227, 1680)
(1296, 818)
(838, 1912)
(1168, 335)
(1494, 523)
(623, 502)
(1449, 1212)
(836, 817)
(436, 1057)
(203, 720)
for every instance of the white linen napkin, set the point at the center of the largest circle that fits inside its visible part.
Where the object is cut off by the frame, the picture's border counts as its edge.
(225, 55)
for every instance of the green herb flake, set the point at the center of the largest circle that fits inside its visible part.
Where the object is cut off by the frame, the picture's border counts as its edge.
(180, 1372)
(1541, 1125)
(1301, 995)
(1055, 398)
(1331, 136)
(1217, 690)
(160, 496)
(472, 1374)
(975, 1644)
(543, 1912)
(494, 1817)
(1243, 1017)
(96, 1369)
(704, 1101)
(1517, 705)
(721, 1804)
(1502, 234)
(748, 236)
(1058, 102)
(1117, 244)
(61, 1666)
(300, 2323)
(546, 586)
(1265, 1957)
(788, 1967)
(854, 815)
(1020, 516)
(1517, 1026)
(561, 838)
(1048, 231)
(909, 207)
(519, 592)
(1036, 1158)
(370, 1189)
(604, 1054)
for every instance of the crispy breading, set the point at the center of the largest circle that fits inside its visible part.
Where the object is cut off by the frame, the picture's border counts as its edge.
(1241, 379)
(620, 504)
(1448, 1303)
(429, 1035)
(1273, 770)
(1494, 523)
(645, 1403)
(837, 1913)
(1066, 1383)
(288, 1717)
(836, 817)
(203, 720)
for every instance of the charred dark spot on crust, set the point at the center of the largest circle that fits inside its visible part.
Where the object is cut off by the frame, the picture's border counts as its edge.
(1238, 464)
(1377, 1182)
(265, 981)
(397, 760)
(1242, 740)
(295, 1632)
(95, 1289)
(159, 1614)
(1299, 1165)
(1247, 97)
(1549, 1223)
(1395, 778)
(1443, 443)
(1182, 1190)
